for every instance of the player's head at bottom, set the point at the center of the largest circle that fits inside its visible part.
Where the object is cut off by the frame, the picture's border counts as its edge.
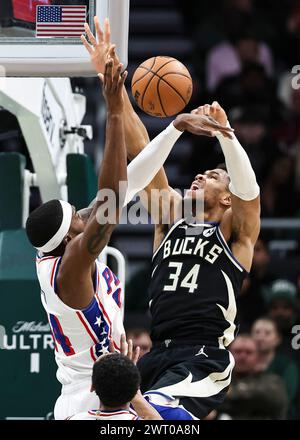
(115, 380)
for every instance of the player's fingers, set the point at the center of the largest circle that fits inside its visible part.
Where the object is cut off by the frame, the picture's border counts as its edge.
(108, 74)
(111, 346)
(124, 346)
(203, 132)
(223, 130)
(212, 123)
(107, 31)
(112, 51)
(90, 35)
(206, 109)
(198, 111)
(130, 348)
(122, 79)
(226, 134)
(216, 105)
(101, 77)
(136, 355)
(117, 76)
(86, 44)
(213, 110)
(99, 31)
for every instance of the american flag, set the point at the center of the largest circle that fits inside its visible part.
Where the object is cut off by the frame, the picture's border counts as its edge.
(60, 21)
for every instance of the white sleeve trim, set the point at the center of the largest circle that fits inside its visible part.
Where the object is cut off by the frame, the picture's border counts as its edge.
(144, 167)
(242, 177)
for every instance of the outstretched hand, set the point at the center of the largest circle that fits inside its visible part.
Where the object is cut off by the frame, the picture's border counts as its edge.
(113, 81)
(214, 111)
(126, 349)
(99, 48)
(201, 125)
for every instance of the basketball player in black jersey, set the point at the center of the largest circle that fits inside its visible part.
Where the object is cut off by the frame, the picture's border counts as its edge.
(197, 272)
(198, 268)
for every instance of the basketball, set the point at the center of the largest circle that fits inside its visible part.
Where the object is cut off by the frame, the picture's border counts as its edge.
(162, 86)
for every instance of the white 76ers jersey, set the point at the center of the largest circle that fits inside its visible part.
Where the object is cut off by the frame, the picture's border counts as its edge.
(81, 336)
(106, 415)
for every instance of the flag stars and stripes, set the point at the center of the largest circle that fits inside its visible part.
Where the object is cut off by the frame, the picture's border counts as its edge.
(98, 321)
(60, 21)
(105, 350)
(51, 14)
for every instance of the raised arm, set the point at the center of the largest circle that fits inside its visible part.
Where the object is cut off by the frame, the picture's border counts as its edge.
(136, 135)
(241, 223)
(74, 277)
(146, 169)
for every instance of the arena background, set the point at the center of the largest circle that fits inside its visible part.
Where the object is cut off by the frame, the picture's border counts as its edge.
(243, 53)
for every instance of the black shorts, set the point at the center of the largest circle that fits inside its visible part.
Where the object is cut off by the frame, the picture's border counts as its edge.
(198, 375)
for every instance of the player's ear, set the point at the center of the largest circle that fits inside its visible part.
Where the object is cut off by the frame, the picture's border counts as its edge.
(67, 238)
(92, 388)
(226, 200)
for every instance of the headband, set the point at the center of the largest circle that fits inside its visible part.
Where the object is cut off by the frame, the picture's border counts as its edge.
(58, 237)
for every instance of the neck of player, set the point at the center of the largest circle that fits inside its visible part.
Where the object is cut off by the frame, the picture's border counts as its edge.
(207, 214)
(111, 409)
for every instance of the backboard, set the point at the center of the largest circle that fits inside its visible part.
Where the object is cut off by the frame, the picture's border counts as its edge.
(42, 37)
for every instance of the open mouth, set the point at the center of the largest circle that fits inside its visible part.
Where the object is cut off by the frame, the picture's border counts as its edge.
(196, 186)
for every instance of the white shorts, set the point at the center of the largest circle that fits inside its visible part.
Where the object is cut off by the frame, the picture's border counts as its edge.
(75, 398)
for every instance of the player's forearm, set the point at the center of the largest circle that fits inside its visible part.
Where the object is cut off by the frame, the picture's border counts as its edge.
(144, 168)
(113, 170)
(144, 410)
(242, 177)
(114, 163)
(85, 213)
(136, 135)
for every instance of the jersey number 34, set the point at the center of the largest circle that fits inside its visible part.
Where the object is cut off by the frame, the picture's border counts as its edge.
(189, 281)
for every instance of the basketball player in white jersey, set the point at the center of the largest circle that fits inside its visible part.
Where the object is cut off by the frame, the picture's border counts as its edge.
(116, 381)
(82, 297)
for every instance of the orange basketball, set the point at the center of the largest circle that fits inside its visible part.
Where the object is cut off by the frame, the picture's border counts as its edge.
(162, 86)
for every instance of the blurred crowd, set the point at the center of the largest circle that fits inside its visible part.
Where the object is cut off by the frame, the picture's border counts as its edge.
(244, 55)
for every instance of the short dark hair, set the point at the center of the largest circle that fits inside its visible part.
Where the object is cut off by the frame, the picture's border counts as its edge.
(222, 166)
(43, 223)
(115, 379)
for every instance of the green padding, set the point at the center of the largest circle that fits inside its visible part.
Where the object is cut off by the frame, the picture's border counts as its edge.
(81, 180)
(12, 166)
(17, 256)
(29, 387)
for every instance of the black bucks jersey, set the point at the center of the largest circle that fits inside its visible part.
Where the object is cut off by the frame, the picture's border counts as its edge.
(194, 283)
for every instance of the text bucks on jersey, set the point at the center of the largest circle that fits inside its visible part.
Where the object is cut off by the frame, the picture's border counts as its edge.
(195, 279)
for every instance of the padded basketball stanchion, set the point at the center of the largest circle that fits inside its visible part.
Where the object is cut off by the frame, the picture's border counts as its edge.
(12, 168)
(81, 180)
(27, 372)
